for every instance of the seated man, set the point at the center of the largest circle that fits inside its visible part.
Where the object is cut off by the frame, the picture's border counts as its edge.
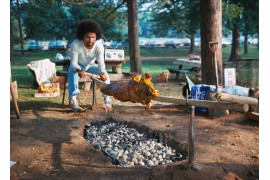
(84, 52)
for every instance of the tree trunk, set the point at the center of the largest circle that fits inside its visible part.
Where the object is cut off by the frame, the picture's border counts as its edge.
(246, 45)
(211, 30)
(133, 35)
(11, 44)
(192, 45)
(20, 27)
(235, 52)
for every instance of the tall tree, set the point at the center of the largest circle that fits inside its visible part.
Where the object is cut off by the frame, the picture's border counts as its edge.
(250, 16)
(231, 21)
(20, 26)
(133, 35)
(11, 44)
(11, 32)
(35, 20)
(178, 15)
(211, 30)
(14, 35)
(235, 50)
(241, 16)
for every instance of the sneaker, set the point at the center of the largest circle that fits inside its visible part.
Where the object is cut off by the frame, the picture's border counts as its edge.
(108, 101)
(75, 106)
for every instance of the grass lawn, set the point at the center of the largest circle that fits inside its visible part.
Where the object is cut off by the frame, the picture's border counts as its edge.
(154, 61)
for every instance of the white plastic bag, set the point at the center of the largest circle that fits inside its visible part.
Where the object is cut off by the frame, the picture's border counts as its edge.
(236, 90)
(59, 57)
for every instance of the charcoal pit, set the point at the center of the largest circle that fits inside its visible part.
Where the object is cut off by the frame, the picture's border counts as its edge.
(129, 144)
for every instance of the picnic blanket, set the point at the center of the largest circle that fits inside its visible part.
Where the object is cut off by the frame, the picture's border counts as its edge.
(44, 70)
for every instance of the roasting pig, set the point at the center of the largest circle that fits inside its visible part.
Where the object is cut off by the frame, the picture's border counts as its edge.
(138, 89)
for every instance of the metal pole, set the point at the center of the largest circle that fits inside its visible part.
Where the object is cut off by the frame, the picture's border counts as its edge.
(191, 135)
(94, 93)
(63, 100)
(191, 132)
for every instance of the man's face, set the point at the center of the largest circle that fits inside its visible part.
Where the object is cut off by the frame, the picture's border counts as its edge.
(89, 39)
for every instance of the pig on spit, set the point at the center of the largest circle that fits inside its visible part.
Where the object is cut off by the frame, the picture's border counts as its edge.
(137, 89)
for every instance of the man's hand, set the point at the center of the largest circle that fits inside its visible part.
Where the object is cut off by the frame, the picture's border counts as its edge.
(103, 76)
(80, 73)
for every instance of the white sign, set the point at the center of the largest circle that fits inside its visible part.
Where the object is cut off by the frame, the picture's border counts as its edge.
(229, 77)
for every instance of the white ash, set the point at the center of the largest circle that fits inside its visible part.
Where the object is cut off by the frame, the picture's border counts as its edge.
(128, 146)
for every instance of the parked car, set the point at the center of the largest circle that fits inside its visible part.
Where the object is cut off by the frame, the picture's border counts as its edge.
(186, 43)
(56, 45)
(142, 44)
(253, 41)
(226, 42)
(197, 43)
(124, 44)
(150, 44)
(169, 43)
(115, 44)
(160, 44)
(33, 46)
(178, 44)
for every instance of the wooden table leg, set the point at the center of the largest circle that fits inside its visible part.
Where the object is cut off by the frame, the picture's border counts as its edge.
(63, 100)
(118, 69)
(94, 93)
(177, 75)
(14, 100)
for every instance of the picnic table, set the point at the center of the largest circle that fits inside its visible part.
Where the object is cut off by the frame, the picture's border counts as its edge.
(194, 70)
(114, 64)
(115, 74)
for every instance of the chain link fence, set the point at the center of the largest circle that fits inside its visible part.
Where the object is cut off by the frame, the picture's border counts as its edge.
(247, 73)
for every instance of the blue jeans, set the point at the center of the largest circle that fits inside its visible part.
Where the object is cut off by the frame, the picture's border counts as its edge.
(73, 79)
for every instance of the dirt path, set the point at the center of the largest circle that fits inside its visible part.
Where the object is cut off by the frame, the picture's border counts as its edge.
(48, 143)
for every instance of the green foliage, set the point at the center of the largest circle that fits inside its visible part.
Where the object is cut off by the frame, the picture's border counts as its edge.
(14, 22)
(49, 19)
(181, 16)
(250, 17)
(243, 12)
(145, 24)
(35, 19)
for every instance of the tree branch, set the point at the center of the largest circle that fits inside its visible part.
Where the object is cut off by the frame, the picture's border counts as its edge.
(115, 9)
(82, 3)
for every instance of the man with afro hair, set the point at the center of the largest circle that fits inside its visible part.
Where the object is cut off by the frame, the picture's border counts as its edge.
(85, 51)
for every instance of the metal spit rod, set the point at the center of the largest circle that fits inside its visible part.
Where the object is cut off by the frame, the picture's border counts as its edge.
(191, 132)
(94, 92)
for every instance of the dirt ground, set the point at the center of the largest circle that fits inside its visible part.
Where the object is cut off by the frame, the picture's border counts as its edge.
(48, 143)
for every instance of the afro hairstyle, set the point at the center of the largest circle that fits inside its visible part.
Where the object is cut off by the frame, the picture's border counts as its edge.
(86, 26)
